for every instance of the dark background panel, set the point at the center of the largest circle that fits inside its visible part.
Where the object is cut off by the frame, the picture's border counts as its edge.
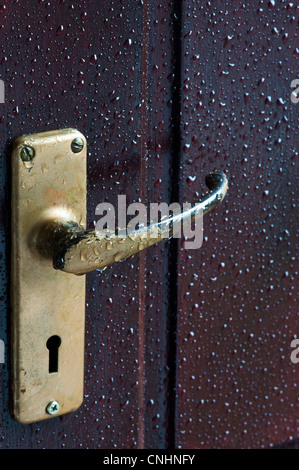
(106, 71)
(236, 384)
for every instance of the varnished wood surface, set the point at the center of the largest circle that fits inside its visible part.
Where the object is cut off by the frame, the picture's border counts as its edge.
(164, 93)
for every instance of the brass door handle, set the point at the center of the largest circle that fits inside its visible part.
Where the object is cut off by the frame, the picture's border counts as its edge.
(48, 305)
(76, 250)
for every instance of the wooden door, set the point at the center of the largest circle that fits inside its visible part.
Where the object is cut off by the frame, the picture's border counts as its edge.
(184, 349)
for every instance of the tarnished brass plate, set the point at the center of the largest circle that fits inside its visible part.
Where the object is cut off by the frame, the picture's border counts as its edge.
(48, 306)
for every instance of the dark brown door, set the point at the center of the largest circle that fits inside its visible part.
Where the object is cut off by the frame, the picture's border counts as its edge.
(184, 348)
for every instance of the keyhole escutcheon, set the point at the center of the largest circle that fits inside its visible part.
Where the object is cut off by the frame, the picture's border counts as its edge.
(53, 344)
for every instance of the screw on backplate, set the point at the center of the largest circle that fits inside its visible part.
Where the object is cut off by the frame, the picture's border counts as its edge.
(77, 145)
(52, 407)
(27, 153)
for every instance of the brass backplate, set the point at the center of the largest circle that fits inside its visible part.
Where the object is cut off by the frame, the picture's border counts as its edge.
(46, 303)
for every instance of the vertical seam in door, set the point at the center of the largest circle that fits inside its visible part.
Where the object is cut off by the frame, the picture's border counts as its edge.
(142, 256)
(175, 197)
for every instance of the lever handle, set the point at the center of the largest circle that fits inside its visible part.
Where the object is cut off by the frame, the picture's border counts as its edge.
(76, 250)
(48, 307)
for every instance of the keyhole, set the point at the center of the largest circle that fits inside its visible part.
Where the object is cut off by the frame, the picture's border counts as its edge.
(53, 344)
